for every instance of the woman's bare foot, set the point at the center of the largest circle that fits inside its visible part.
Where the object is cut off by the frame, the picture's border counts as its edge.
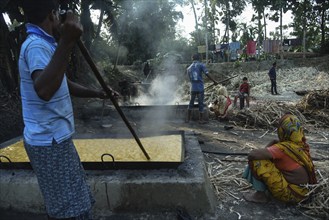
(258, 197)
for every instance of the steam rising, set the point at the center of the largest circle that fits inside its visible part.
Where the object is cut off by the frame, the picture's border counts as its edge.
(165, 88)
(162, 91)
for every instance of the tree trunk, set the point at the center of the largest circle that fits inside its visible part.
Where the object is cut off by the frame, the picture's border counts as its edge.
(304, 31)
(259, 34)
(7, 70)
(213, 26)
(196, 22)
(99, 24)
(227, 23)
(265, 34)
(88, 28)
(206, 29)
(281, 40)
(228, 30)
(323, 31)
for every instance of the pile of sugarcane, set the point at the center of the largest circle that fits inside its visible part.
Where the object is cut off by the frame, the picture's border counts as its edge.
(315, 107)
(318, 99)
(264, 115)
(224, 175)
(318, 204)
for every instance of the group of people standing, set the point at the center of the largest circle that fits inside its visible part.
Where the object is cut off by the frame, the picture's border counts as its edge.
(283, 168)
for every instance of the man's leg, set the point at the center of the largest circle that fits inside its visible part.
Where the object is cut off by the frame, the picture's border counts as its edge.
(241, 102)
(61, 179)
(235, 100)
(190, 106)
(272, 86)
(201, 107)
(247, 99)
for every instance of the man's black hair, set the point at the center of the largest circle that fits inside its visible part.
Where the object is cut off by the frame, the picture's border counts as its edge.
(36, 11)
(196, 56)
(245, 78)
(274, 64)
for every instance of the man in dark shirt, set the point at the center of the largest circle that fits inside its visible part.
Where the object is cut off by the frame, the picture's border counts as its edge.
(272, 75)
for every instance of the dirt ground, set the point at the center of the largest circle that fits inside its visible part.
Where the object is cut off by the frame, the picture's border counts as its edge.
(213, 137)
(224, 168)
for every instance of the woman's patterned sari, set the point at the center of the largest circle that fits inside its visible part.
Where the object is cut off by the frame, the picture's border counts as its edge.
(293, 143)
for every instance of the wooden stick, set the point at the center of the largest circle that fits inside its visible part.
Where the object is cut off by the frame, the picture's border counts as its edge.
(221, 81)
(101, 81)
(264, 134)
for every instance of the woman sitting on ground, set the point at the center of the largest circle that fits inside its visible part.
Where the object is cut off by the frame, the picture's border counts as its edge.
(221, 104)
(284, 167)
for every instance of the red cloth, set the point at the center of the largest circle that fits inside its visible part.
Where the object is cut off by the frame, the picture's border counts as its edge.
(281, 160)
(228, 103)
(251, 48)
(244, 88)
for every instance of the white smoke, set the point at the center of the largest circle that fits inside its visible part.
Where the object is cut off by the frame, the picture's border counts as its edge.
(165, 88)
(162, 91)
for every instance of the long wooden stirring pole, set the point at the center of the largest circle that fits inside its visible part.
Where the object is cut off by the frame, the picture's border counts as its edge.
(100, 79)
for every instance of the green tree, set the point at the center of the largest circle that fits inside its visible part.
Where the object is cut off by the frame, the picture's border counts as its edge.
(231, 9)
(259, 6)
(88, 27)
(248, 32)
(10, 41)
(322, 9)
(197, 33)
(311, 15)
(279, 7)
(144, 25)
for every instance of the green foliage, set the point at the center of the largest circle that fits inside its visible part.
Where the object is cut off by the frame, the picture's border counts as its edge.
(103, 51)
(178, 46)
(231, 9)
(248, 33)
(325, 48)
(144, 25)
(307, 14)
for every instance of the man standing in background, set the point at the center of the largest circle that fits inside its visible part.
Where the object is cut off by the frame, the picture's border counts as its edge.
(194, 72)
(272, 75)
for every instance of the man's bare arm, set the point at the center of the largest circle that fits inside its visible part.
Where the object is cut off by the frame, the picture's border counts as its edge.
(48, 80)
(211, 79)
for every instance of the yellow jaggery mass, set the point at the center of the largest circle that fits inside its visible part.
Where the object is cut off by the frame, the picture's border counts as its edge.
(165, 148)
(15, 152)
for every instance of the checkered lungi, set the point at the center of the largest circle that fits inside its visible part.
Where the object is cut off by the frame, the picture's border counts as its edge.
(62, 179)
